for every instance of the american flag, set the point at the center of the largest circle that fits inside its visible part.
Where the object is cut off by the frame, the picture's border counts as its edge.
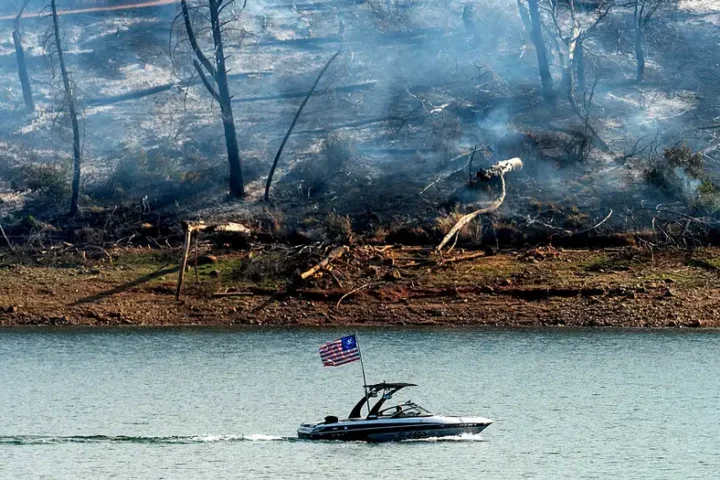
(339, 352)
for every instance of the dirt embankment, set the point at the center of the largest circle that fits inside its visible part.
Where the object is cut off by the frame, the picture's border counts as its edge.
(367, 286)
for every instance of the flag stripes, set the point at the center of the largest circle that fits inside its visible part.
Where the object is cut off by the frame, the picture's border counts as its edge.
(339, 352)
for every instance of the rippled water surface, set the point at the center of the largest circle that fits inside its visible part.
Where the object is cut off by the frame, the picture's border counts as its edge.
(190, 404)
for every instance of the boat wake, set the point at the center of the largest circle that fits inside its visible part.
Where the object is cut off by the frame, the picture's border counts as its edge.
(465, 437)
(190, 439)
(166, 440)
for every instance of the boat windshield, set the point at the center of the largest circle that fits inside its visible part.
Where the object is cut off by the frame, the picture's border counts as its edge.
(407, 409)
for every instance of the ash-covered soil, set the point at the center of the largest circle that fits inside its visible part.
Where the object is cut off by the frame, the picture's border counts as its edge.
(418, 86)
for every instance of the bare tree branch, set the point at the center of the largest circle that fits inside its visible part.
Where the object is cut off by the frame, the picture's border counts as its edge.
(193, 41)
(206, 81)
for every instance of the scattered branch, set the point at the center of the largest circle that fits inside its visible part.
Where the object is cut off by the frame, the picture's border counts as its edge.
(337, 305)
(335, 253)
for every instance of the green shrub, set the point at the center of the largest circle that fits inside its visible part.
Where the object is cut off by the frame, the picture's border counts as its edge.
(30, 223)
(317, 173)
(683, 157)
(139, 168)
(49, 181)
(393, 15)
(708, 197)
(681, 174)
(339, 228)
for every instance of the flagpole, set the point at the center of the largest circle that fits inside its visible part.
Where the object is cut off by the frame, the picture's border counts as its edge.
(362, 365)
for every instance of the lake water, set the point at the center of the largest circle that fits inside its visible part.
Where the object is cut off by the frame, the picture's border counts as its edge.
(214, 403)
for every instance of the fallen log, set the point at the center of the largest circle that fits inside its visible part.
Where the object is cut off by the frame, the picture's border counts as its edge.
(233, 294)
(229, 227)
(146, 92)
(463, 258)
(497, 170)
(335, 253)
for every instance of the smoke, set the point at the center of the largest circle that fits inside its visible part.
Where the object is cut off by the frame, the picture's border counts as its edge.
(419, 83)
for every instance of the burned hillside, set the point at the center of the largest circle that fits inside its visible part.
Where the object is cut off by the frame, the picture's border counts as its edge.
(387, 149)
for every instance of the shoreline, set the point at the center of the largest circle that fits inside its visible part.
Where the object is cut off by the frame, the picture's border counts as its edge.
(531, 289)
(354, 327)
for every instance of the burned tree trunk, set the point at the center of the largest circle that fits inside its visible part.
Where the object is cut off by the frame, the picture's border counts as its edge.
(22, 66)
(574, 45)
(237, 187)
(642, 13)
(7, 240)
(541, 51)
(217, 85)
(22, 72)
(580, 64)
(72, 111)
(524, 15)
(570, 46)
(639, 53)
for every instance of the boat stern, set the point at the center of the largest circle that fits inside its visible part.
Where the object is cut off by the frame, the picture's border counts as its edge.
(306, 430)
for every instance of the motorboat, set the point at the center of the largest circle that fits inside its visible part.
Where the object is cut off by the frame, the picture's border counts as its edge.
(402, 421)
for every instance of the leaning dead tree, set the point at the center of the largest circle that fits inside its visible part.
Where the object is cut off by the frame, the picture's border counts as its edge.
(7, 240)
(214, 76)
(192, 227)
(496, 171)
(22, 66)
(292, 125)
(69, 106)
